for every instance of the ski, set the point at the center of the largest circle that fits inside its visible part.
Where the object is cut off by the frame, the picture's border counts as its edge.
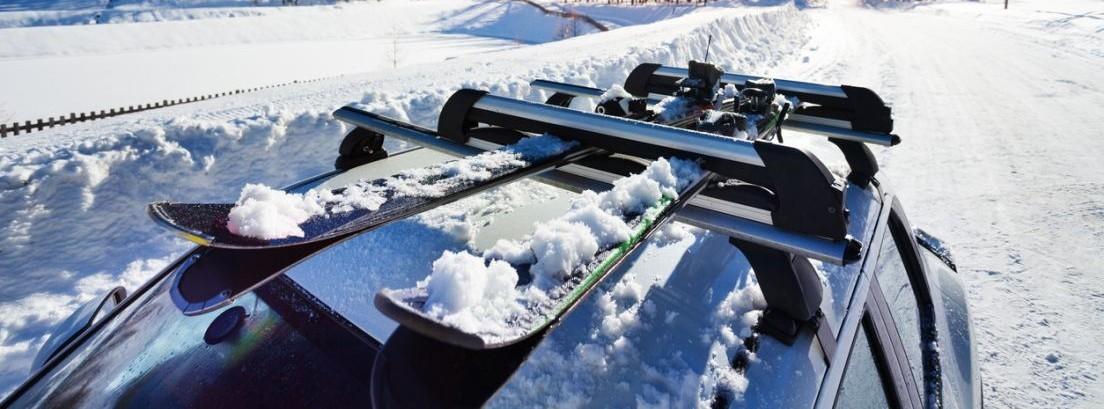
(529, 314)
(344, 211)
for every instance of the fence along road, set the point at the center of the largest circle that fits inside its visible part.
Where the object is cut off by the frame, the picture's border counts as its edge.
(17, 127)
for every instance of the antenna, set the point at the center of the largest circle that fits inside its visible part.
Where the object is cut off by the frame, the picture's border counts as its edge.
(708, 43)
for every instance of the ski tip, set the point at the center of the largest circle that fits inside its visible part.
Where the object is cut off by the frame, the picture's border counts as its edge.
(159, 212)
(388, 303)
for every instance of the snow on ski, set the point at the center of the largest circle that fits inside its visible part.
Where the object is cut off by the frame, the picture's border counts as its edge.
(265, 218)
(517, 288)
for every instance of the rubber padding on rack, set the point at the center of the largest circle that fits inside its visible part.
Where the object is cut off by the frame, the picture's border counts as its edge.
(453, 123)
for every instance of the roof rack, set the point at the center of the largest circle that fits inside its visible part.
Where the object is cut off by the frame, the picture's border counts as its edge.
(807, 219)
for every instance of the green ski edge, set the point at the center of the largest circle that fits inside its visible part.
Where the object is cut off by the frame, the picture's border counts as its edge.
(647, 220)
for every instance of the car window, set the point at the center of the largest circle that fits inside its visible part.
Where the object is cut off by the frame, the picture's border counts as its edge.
(863, 385)
(899, 294)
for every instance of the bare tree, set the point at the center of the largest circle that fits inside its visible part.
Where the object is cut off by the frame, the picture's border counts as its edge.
(394, 52)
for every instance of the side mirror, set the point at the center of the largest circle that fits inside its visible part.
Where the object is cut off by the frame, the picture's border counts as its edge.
(936, 246)
(78, 322)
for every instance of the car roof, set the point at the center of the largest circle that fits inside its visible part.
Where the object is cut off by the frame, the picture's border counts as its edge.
(679, 308)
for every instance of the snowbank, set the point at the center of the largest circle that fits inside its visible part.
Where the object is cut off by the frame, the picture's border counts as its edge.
(74, 212)
(518, 21)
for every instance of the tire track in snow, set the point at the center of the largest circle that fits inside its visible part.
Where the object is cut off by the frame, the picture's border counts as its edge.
(992, 161)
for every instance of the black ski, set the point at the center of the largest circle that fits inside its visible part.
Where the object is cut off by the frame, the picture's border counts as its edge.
(207, 223)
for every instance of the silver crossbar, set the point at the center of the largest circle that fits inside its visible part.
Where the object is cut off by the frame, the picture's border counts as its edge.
(723, 217)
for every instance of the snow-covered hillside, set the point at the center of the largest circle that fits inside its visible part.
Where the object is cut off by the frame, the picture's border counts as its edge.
(996, 108)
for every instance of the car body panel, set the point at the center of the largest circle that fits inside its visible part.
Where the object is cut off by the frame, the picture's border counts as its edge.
(958, 351)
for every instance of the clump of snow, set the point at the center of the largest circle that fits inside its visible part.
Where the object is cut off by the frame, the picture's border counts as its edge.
(613, 92)
(728, 92)
(607, 228)
(672, 108)
(597, 220)
(673, 232)
(559, 246)
(637, 192)
(465, 288)
(267, 213)
(511, 251)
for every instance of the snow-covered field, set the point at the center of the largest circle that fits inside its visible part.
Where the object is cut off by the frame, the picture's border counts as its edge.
(996, 108)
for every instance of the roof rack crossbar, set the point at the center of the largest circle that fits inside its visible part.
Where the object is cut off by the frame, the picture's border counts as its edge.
(578, 178)
(810, 88)
(810, 200)
(832, 128)
(465, 109)
(569, 89)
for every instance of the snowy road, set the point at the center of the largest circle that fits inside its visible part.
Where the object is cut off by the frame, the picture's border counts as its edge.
(1002, 158)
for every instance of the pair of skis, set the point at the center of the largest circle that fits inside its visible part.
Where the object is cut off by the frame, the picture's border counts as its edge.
(206, 224)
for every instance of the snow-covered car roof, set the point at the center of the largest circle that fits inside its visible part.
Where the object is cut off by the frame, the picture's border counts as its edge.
(665, 328)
